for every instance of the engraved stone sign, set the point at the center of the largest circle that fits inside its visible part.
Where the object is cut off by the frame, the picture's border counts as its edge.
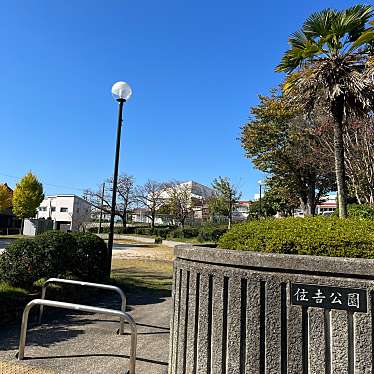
(329, 297)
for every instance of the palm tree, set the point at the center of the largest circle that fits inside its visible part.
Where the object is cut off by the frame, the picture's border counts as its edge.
(327, 66)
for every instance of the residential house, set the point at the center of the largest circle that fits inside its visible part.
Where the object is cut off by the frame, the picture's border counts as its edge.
(68, 212)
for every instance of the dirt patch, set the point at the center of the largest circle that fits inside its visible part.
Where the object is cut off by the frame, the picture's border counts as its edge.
(141, 251)
(7, 368)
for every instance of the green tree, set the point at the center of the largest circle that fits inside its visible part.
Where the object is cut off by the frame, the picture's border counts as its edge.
(5, 198)
(280, 141)
(327, 65)
(179, 202)
(225, 197)
(27, 196)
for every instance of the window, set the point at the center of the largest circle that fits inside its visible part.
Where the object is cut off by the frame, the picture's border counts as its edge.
(63, 210)
(53, 209)
(42, 208)
(77, 210)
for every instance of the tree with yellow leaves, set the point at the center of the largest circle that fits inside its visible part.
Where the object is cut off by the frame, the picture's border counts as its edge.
(27, 196)
(5, 198)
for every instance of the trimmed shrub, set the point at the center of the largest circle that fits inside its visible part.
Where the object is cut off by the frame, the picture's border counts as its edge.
(58, 249)
(53, 254)
(320, 236)
(210, 233)
(90, 257)
(361, 211)
(21, 263)
(158, 240)
(117, 230)
(143, 231)
(187, 232)
(162, 232)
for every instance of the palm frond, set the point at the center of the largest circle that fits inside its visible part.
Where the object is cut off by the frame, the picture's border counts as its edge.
(353, 20)
(298, 39)
(302, 51)
(318, 25)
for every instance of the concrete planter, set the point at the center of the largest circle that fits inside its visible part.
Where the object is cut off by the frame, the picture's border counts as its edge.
(235, 312)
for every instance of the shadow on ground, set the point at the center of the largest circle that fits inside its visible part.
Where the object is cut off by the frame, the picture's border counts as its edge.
(62, 325)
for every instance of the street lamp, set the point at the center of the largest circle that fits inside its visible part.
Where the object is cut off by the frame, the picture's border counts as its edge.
(260, 182)
(121, 92)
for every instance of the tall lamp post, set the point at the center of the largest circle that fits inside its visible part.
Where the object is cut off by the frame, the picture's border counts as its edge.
(121, 91)
(260, 182)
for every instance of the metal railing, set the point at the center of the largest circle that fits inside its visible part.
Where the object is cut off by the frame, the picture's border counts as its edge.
(82, 308)
(121, 330)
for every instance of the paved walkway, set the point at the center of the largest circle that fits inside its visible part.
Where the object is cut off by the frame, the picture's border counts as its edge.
(74, 343)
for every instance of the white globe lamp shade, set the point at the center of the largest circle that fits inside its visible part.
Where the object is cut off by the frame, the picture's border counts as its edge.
(260, 182)
(121, 90)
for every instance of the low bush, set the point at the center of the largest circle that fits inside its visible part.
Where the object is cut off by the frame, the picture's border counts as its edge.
(210, 233)
(321, 236)
(91, 251)
(162, 232)
(158, 240)
(53, 254)
(186, 232)
(22, 263)
(117, 230)
(361, 211)
(143, 231)
(57, 249)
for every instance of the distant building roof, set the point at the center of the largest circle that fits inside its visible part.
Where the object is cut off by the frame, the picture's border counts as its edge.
(8, 188)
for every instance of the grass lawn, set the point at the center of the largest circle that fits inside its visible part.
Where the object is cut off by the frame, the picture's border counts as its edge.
(144, 273)
(9, 293)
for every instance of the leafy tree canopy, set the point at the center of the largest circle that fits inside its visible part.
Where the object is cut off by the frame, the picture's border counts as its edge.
(5, 198)
(27, 196)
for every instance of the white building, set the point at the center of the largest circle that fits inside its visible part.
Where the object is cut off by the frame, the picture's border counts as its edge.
(198, 193)
(68, 212)
(327, 205)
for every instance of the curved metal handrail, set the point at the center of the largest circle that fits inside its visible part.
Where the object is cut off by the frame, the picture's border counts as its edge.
(86, 284)
(82, 308)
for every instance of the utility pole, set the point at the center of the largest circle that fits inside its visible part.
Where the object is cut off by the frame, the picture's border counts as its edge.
(101, 208)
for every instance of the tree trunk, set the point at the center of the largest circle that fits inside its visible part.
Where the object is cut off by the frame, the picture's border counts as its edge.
(338, 113)
(22, 225)
(124, 221)
(311, 199)
(153, 220)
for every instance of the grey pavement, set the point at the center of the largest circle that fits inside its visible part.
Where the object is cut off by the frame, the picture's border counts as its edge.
(4, 243)
(68, 342)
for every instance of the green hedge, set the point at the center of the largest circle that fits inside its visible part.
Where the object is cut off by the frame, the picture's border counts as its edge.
(210, 233)
(117, 230)
(205, 233)
(321, 236)
(53, 254)
(361, 211)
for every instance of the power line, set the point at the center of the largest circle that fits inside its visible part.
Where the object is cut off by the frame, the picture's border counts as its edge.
(46, 184)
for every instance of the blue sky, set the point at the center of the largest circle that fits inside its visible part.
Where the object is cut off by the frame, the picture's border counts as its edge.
(196, 67)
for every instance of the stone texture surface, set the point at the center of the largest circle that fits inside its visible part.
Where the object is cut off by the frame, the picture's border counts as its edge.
(216, 322)
(202, 336)
(273, 327)
(302, 341)
(295, 340)
(339, 342)
(317, 338)
(363, 328)
(233, 325)
(253, 327)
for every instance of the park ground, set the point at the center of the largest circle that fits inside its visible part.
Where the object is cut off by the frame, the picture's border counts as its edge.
(68, 342)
